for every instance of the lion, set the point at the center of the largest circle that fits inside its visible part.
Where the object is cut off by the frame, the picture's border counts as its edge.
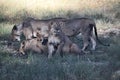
(22, 28)
(85, 26)
(70, 27)
(35, 44)
(30, 26)
(60, 43)
(42, 26)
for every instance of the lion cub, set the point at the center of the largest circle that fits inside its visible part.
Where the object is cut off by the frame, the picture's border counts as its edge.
(59, 43)
(35, 44)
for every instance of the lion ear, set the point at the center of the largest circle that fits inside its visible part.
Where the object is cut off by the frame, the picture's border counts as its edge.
(14, 27)
(50, 24)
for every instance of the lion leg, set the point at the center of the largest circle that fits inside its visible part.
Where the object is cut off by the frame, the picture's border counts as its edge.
(27, 33)
(85, 42)
(29, 36)
(39, 48)
(59, 50)
(34, 34)
(50, 51)
(22, 48)
(93, 43)
(75, 49)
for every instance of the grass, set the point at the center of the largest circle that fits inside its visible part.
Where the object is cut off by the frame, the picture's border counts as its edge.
(37, 67)
(12, 10)
(99, 65)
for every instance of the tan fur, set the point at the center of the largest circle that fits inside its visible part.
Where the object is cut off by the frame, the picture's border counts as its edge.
(84, 26)
(30, 26)
(42, 26)
(71, 27)
(62, 43)
(34, 44)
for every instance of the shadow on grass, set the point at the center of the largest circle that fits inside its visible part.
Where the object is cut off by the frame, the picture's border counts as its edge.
(37, 67)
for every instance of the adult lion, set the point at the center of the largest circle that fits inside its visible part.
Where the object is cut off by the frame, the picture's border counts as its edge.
(85, 26)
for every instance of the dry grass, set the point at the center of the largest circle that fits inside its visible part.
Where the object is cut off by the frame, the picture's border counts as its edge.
(41, 8)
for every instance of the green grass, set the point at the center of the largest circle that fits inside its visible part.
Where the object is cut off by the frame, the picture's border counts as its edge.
(37, 67)
(5, 30)
(100, 65)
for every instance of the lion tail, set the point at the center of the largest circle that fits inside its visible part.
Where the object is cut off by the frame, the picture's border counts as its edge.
(96, 34)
